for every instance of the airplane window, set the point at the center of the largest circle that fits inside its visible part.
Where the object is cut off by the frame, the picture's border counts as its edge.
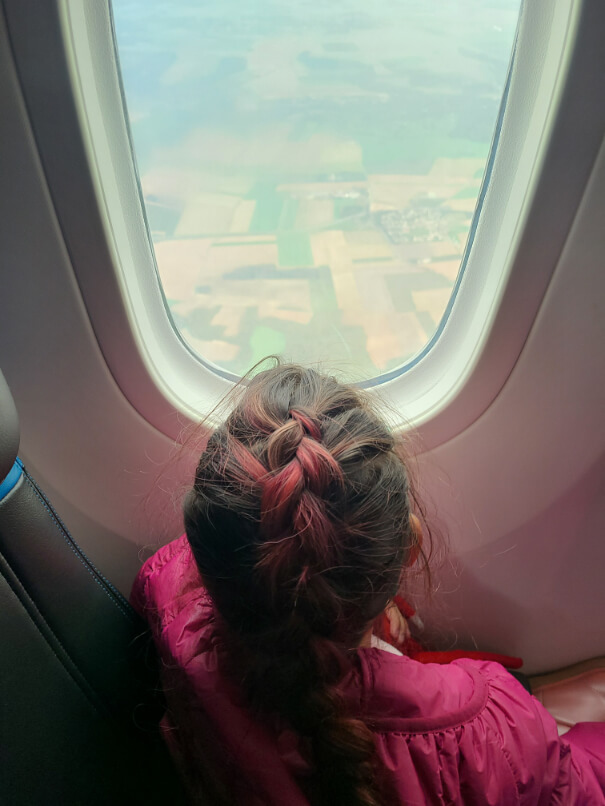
(311, 171)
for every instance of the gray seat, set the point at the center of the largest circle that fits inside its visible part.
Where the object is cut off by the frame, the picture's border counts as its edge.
(78, 719)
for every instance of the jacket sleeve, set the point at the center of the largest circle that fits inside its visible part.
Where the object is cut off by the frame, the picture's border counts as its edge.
(160, 581)
(138, 596)
(548, 769)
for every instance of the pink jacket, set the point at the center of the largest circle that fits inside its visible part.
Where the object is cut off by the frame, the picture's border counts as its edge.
(466, 733)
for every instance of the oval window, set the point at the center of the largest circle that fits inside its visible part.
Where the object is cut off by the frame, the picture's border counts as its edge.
(310, 172)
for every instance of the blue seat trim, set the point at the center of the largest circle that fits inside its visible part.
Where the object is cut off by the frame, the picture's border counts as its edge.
(11, 479)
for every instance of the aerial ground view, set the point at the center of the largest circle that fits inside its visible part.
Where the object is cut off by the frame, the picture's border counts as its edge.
(310, 171)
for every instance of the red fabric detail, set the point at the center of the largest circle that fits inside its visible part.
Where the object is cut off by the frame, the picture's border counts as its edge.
(413, 649)
(425, 656)
(405, 608)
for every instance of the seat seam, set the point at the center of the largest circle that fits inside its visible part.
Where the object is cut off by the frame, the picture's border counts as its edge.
(14, 582)
(119, 601)
(67, 536)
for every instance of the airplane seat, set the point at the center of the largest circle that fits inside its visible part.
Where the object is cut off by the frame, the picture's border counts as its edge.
(575, 694)
(77, 724)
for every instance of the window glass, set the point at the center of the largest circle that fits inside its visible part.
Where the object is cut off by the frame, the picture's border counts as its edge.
(310, 170)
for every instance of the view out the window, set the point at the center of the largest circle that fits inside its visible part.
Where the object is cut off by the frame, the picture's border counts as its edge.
(310, 169)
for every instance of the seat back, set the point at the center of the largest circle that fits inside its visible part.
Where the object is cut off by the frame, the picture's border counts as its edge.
(78, 723)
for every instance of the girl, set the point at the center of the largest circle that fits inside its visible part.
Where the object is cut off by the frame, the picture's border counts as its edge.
(298, 529)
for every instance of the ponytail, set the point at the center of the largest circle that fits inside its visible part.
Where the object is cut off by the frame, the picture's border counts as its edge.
(297, 676)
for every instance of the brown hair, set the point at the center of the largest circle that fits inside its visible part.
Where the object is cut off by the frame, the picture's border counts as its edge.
(299, 521)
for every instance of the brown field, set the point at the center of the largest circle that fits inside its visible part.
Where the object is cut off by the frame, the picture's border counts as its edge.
(433, 301)
(314, 213)
(207, 213)
(223, 259)
(242, 215)
(180, 264)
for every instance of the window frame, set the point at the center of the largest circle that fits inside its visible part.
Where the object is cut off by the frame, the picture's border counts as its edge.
(84, 143)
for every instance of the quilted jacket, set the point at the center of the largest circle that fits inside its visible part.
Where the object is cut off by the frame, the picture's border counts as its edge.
(465, 733)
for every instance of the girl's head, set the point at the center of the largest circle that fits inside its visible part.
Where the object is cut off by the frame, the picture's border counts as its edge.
(300, 520)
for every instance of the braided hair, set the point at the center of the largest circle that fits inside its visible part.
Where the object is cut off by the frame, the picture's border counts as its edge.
(299, 521)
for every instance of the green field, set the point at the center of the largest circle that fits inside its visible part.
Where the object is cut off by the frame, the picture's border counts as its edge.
(268, 210)
(289, 212)
(294, 249)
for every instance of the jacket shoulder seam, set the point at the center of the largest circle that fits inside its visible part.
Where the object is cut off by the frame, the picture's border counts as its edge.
(418, 726)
